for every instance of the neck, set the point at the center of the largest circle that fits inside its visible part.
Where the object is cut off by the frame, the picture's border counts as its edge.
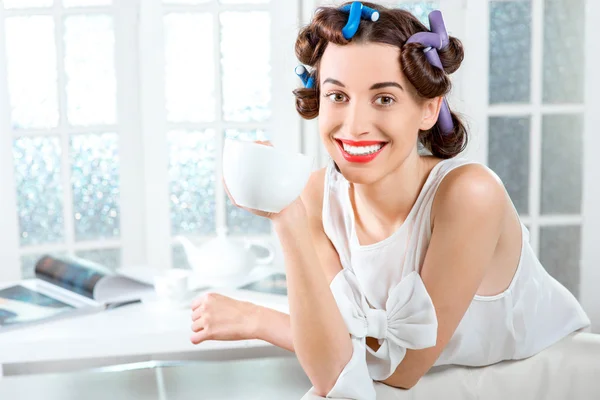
(389, 200)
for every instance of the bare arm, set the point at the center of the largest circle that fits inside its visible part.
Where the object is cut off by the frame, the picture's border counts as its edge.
(315, 329)
(320, 337)
(274, 327)
(468, 212)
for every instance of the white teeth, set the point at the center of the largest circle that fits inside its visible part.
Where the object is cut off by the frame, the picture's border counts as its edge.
(361, 150)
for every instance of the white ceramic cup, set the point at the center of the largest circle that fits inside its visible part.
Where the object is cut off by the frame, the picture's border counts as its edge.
(263, 177)
(172, 284)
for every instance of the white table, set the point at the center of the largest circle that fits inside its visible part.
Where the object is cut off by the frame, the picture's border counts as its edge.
(133, 333)
(253, 379)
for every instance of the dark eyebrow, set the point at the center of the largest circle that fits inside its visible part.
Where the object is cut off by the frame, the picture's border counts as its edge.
(334, 81)
(376, 86)
(381, 85)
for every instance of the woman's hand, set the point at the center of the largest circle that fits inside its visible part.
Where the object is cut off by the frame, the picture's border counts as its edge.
(264, 214)
(218, 317)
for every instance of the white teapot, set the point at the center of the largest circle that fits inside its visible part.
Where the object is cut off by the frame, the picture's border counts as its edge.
(224, 261)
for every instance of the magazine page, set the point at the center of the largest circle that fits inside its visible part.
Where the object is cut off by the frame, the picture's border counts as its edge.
(72, 273)
(89, 279)
(117, 288)
(30, 302)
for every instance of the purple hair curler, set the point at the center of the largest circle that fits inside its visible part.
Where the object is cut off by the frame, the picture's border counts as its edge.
(436, 40)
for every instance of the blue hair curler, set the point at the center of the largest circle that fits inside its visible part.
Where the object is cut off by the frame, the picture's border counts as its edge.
(357, 11)
(307, 80)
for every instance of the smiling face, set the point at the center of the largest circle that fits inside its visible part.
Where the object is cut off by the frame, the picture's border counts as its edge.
(369, 115)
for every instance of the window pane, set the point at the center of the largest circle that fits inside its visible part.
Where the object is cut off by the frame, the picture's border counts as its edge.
(39, 189)
(189, 75)
(420, 9)
(564, 33)
(560, 254)
(240, 221)
(85, 3)
(508, 156)
(562, 144)
(245, 65)
(192, 181)
(90, 70)
(510, 51)
(110, 258)
(95, 182)
(26, 3)
(31, 57)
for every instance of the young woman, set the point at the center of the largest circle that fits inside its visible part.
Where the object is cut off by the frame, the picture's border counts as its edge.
(396, 261)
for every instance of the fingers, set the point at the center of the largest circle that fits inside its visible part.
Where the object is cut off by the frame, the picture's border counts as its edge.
(205, 299)
(199, 337)
(197, 325)
(202, 329)
(201, 316)
(197, 313)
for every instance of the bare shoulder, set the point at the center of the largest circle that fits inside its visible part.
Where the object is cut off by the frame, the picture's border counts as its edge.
(471, 189)
(312, 195)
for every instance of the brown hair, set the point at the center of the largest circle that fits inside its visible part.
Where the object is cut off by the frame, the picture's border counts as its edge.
(394, 27)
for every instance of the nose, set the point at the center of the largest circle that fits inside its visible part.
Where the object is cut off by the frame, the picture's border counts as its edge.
(357, 120)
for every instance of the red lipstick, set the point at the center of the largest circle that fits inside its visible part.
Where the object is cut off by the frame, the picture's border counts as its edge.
(358, 158)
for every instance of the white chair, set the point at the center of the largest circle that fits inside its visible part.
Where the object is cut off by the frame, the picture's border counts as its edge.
(570, 369)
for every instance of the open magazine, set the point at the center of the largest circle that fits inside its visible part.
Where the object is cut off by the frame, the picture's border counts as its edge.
(66, 286)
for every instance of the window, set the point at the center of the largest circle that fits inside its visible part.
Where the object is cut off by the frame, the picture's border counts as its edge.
(114, 118)
(529, 90)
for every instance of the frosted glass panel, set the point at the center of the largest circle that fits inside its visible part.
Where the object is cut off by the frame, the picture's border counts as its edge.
(32, 85)
(189, 74)
(110, 258)
(561, 164)
(508, 156)
(240, 221)
(560, 254)
(90, 70)
(86, 3)
(564, 61)
(95, 182)
(246, 66)
(510, 51)
(420, 9)
(192, 181)
(8, 4)
(39, 189)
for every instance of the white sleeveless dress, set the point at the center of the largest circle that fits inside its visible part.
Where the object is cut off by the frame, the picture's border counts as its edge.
(380, 294)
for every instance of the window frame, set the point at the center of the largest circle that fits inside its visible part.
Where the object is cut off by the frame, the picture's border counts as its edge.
(145, 213)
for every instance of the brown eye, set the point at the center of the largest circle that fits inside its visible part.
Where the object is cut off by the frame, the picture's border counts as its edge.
(385, 101)
(336, 97)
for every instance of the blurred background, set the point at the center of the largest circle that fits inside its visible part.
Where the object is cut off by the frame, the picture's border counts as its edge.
(113, 115)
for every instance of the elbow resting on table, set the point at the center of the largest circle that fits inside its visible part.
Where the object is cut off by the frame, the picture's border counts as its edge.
(323, 383)
(402, 382)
